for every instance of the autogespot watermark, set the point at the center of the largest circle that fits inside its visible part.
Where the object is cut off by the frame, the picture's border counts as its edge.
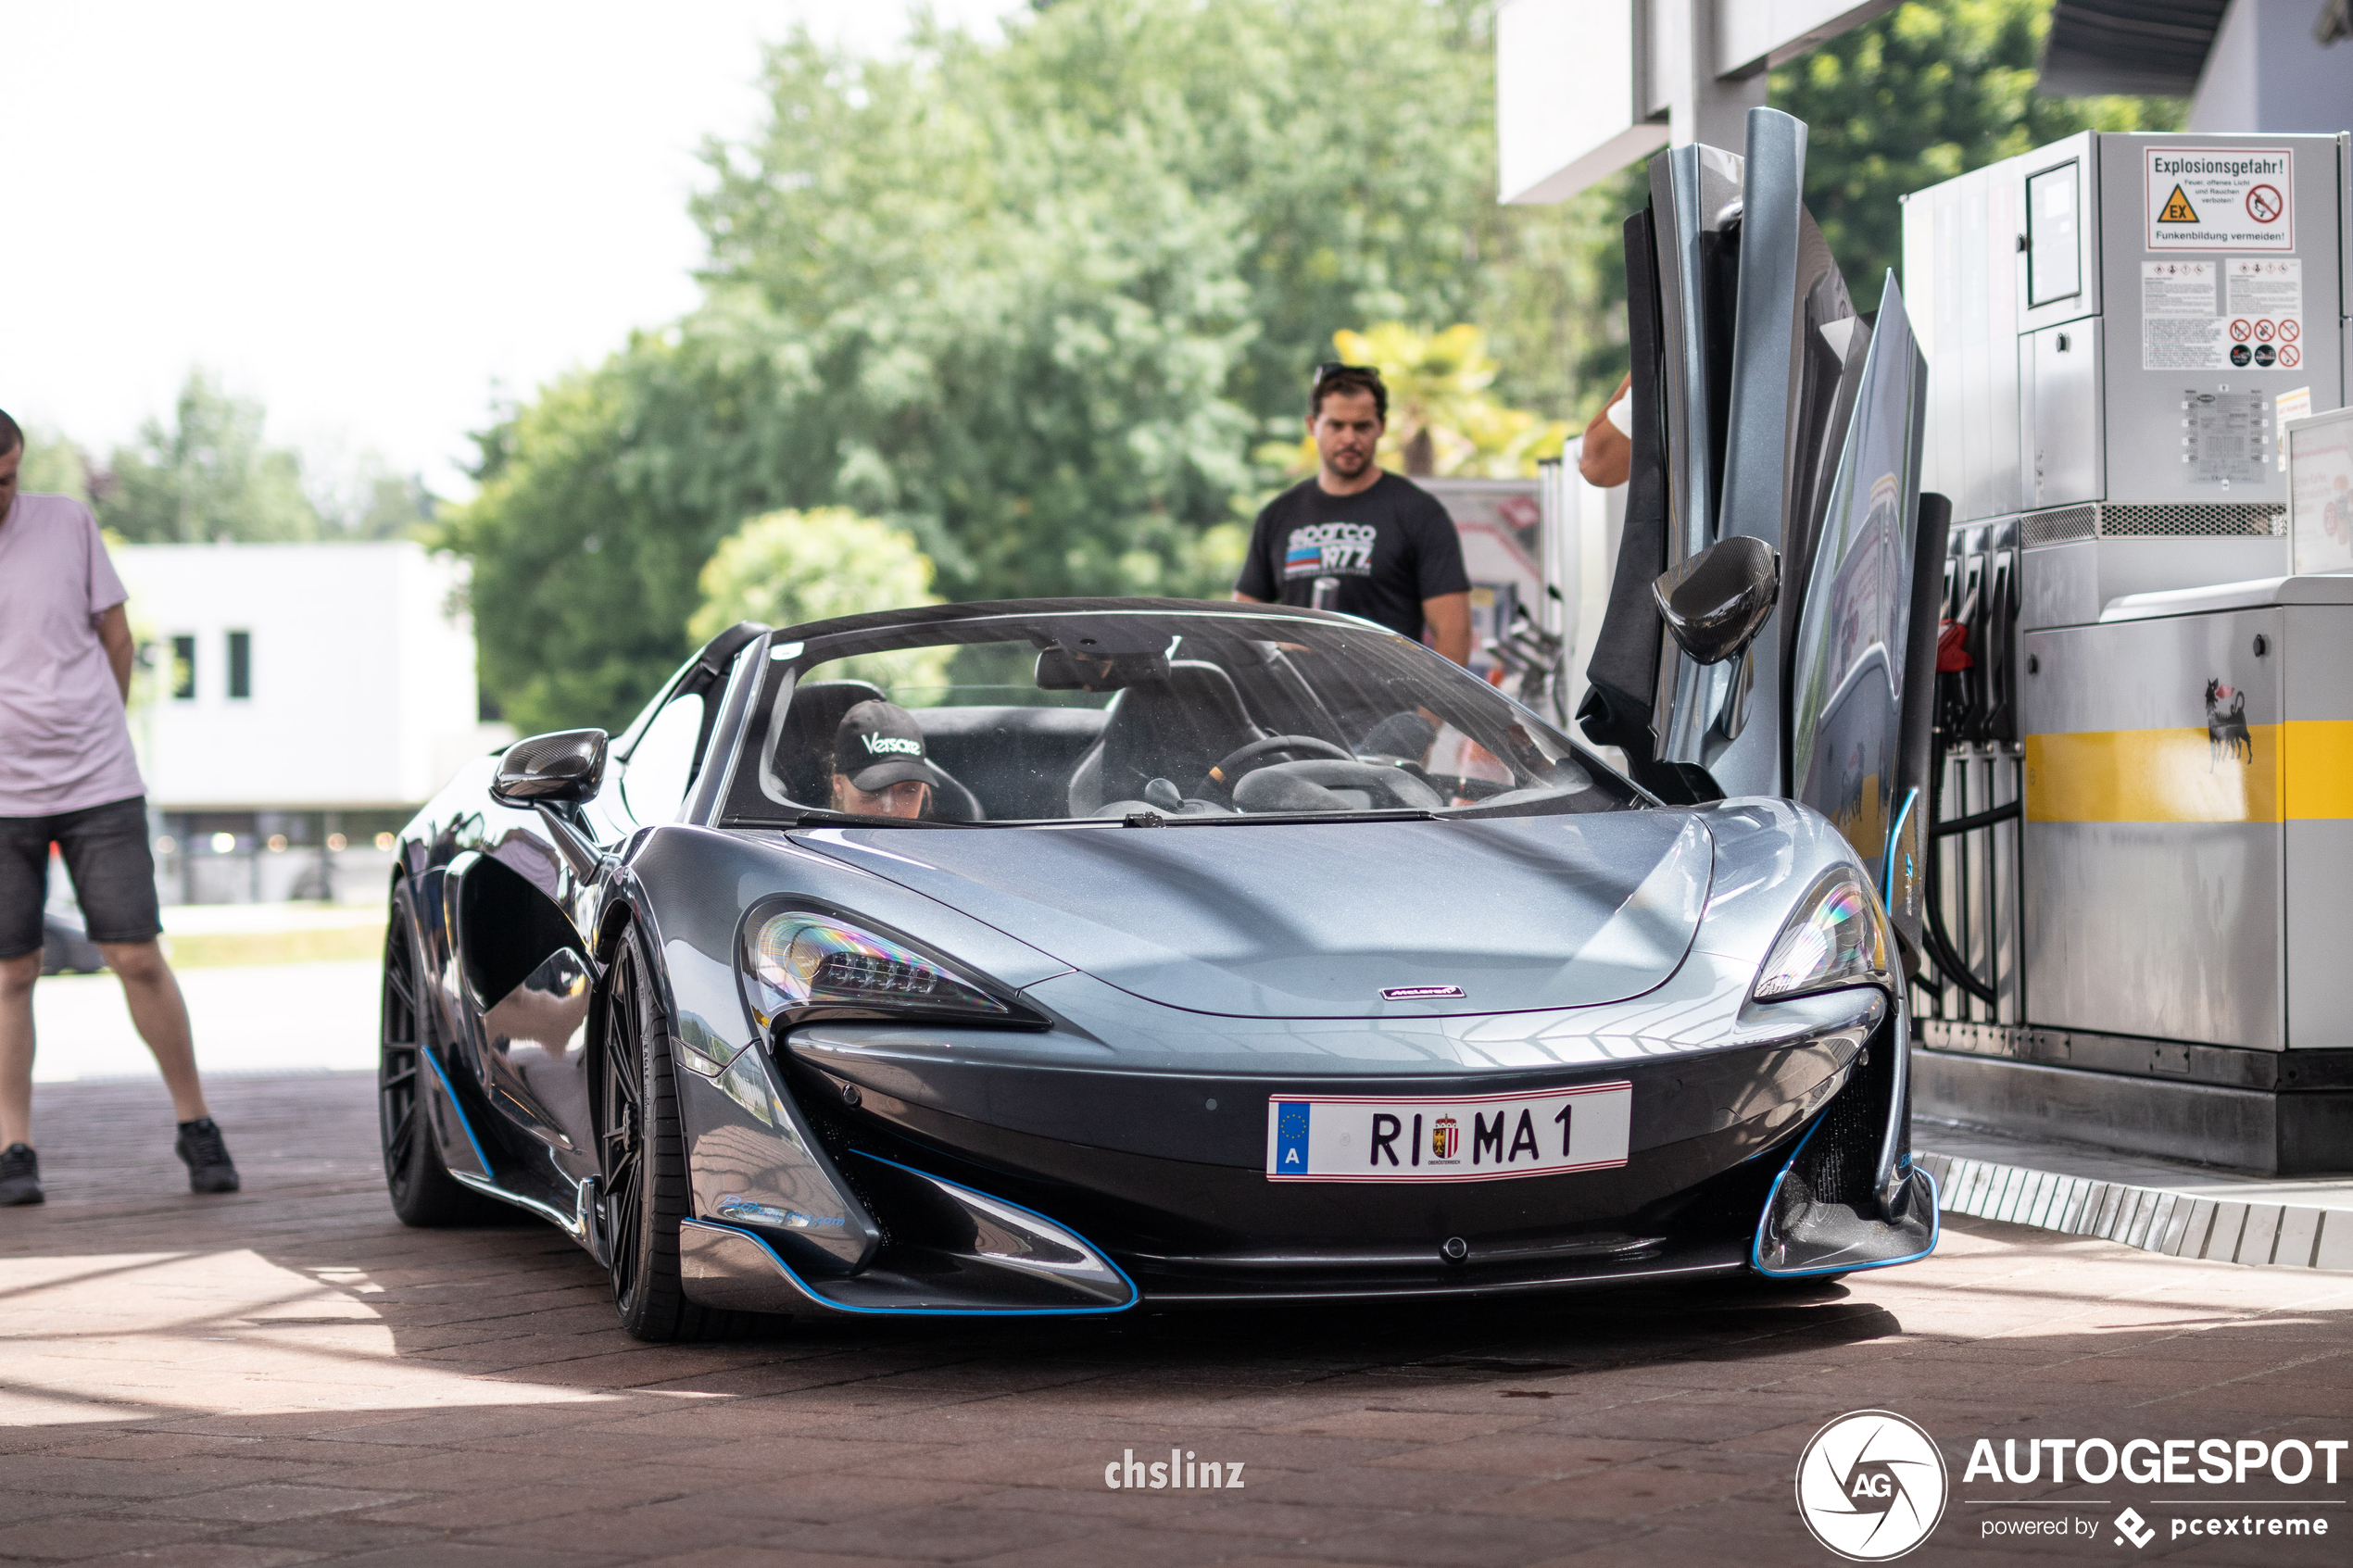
(2171, 1463)
(1181, 1471)
(1872, 1485)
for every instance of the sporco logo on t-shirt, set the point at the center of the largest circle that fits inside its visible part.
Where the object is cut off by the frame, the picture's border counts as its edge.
(1327, 549)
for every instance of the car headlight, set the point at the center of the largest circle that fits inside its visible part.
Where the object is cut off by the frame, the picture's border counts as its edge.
(1837, 938)
(800, 963)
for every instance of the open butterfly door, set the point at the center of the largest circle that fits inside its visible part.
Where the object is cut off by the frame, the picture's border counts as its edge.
(1766, 633)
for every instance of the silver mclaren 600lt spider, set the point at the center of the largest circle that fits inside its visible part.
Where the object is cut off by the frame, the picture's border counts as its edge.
(1065, 956)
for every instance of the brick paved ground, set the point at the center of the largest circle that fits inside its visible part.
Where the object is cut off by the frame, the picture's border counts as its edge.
(289, 1376)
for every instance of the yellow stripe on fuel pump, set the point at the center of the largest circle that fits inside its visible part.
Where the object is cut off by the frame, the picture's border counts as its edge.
(2301, 770)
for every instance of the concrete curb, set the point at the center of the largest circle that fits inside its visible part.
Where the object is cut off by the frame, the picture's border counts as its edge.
(2151, 1219)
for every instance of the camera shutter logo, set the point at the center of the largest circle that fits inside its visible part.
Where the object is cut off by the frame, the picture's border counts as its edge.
(1871, 1486)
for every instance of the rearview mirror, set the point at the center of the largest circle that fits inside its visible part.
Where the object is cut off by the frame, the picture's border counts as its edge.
(1061, 670)
(1716, 602)
(561, 769)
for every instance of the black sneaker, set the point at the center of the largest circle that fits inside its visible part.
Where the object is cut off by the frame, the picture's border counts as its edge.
(19, 1176)
(206, 1153)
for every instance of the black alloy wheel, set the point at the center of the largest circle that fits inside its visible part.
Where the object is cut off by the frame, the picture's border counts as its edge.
(643, 1150)
(424, 1192)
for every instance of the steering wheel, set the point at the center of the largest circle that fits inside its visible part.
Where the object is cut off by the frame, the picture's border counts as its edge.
(1239, 762)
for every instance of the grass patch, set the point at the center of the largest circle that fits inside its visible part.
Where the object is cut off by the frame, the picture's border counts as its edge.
(226, 949)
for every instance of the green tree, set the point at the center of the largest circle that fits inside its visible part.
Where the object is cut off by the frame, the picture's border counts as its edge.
(1031, 302)
(789, 568)
(53, 466)
(360, 497)
(1920, 95)
(207, 476)
(1036, 300)
(1443, 415)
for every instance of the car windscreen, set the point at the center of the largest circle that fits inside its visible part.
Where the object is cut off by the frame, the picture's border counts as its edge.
(1186, 719)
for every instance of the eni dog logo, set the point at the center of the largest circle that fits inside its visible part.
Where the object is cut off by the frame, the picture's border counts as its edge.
(1871, 1486)
(2226, 731)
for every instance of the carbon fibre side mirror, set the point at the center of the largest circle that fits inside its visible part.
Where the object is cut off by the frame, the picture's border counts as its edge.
(1716, 602)
(561, 769)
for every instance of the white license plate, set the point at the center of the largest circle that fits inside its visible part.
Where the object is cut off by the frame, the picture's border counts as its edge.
(1460, 1138)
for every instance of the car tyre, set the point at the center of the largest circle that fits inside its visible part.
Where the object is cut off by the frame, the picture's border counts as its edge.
(642, 1146)
(423, 1193)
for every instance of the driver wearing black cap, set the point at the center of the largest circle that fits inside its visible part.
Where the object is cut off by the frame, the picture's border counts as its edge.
(880, 768)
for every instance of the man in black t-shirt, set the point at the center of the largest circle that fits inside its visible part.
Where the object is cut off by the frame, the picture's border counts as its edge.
(1354, 539)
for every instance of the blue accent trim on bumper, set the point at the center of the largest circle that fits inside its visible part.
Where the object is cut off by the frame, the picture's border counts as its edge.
(1894, 842)
(1756, 1242)
(488, 1170)
(1134, 1294)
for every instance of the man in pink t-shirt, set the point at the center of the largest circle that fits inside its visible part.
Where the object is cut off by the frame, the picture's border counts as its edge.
(67, 777)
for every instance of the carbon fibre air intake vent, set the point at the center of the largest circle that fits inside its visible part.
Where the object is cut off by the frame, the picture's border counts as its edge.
(1824, 1217)
(1838, 1162)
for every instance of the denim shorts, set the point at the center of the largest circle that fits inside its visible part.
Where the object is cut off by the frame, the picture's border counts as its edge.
(106, 853)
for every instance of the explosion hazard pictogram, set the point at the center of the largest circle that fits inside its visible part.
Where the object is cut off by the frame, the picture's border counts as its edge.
(2178, 209)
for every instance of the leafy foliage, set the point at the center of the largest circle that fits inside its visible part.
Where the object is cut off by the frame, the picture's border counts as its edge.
(53, 466)
(1919, 95)
(1035, 302)
(1442, 419)
(789, 568)
(1032, 303)
(207, 476)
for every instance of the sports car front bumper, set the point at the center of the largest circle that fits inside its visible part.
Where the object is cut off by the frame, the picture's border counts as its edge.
(1045, 1172)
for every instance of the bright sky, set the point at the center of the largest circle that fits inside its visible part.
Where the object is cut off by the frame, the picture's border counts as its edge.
(372, 217)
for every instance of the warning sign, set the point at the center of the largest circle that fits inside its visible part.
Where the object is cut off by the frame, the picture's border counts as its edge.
(2220, 198)
(2181, 327)
(2268, 294)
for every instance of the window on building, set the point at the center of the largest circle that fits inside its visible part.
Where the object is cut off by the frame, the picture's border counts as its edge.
(183, 669)
(241, 664)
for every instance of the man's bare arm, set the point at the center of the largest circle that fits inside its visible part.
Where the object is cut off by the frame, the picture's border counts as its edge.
(1242, 599)
(1449, 617)
(114, 633)
(1607, 456)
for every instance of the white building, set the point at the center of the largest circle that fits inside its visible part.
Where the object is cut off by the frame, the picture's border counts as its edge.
(299, 701)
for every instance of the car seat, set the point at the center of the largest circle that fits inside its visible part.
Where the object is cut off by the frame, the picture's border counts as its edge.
(1177, 728)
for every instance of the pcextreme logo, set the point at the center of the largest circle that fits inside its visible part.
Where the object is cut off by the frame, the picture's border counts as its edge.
(1871, 1486)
